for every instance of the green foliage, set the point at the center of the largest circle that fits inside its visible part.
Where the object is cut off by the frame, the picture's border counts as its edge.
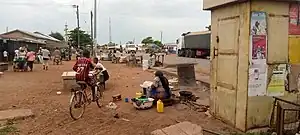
(85, 39)
(57, 35)
(130, 42)
(8, 130)
(157, 42)
(147, 40)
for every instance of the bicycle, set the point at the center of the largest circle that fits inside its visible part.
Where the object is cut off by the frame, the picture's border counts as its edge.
(80, 99)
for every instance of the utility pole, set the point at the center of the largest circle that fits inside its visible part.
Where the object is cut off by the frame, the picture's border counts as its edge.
(95, 22)
(161, 36)
(109, 30)
(6, 29)
(92, 33)
(78, 25)
(67, 40)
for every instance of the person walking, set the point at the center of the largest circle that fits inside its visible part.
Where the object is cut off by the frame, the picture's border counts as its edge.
(5, 56)
(46, 57)
(30, 59)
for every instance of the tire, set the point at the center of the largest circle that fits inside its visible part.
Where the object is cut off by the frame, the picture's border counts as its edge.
(73, 101)
(99, 96)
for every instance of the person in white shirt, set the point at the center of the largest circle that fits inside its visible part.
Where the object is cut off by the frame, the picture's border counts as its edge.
(16, 53)
(39, 54)
(5, 56)
(100, 68)
(46, 57)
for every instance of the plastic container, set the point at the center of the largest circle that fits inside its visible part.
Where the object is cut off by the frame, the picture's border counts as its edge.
(138, 94)
(126, 100)
(143, 103)
(160, 106)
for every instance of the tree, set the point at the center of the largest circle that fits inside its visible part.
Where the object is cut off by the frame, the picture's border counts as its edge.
(147, 40)
(57, 35)
(130, 42)
(157, 42)
(85, 39)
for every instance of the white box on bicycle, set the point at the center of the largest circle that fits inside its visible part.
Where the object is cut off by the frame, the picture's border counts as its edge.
(69, 80)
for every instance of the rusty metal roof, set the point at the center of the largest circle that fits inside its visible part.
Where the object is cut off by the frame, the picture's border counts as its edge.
(23, 39)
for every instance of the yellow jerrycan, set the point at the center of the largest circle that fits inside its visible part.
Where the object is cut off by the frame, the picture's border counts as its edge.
(138, 94)
(160, 106)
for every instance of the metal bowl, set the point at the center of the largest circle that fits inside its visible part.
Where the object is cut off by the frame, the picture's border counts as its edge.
(186, 93)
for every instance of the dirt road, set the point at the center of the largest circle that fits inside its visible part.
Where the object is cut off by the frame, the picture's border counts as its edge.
(37, 91)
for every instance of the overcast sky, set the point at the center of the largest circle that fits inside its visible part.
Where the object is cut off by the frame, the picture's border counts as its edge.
(130, 19)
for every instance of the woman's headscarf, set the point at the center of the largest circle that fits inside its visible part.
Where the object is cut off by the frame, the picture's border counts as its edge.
(164, 82)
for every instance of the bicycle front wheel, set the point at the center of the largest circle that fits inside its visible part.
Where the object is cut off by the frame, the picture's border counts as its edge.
(99, 95)
(77, 105)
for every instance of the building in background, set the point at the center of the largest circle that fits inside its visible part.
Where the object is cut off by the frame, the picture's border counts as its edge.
(50, 42)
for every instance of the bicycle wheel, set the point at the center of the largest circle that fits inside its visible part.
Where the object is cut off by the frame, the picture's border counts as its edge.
(99, 95)
(77, 102)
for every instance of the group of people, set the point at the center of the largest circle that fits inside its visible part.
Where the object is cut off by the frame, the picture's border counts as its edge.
(84, 65)
(24, 58)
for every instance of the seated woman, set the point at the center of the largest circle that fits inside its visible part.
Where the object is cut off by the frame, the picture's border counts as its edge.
(160, 87)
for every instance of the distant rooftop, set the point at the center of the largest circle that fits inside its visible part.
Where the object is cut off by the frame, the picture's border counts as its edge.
(35, 34)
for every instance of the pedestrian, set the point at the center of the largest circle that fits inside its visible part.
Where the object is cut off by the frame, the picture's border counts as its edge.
(5, 56)
(30, 59)
(46, 57)
(39, 54)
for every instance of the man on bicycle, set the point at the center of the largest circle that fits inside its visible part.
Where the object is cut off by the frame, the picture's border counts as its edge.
(82, 68)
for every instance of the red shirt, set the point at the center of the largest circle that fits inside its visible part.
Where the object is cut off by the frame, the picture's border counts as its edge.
(82, 68)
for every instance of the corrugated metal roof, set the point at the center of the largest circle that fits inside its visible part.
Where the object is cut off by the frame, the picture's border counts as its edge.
(36, 35)
(47, 36)
(24, 39)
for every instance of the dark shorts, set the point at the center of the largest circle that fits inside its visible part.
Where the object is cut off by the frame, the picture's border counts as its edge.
(105, 75)
(45, 58)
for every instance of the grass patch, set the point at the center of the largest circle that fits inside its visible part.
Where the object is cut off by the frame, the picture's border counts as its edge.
(8, 130)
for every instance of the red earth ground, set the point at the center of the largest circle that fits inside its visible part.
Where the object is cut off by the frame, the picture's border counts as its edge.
(37, 91)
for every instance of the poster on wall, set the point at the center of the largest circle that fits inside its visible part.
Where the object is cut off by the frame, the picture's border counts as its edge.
(278, 81)
(258, 49)
(294, 78)
(257, 80)
(258, 23)
(294, 27)
(257, 84)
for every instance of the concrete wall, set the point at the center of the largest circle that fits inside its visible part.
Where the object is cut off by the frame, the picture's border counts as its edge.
(277, 24)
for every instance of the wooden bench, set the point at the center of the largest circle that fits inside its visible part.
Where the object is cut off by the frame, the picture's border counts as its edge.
(3, 67)
(185, 72)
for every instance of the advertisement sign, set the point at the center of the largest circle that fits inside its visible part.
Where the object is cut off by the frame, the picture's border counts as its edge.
(258, 49)
(257, 80)
(276, 86)
(294, 27)
(257, 83)
(258, 23)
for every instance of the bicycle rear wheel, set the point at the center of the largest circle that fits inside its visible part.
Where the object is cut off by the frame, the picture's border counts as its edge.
(99, 95)
(77, 102)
